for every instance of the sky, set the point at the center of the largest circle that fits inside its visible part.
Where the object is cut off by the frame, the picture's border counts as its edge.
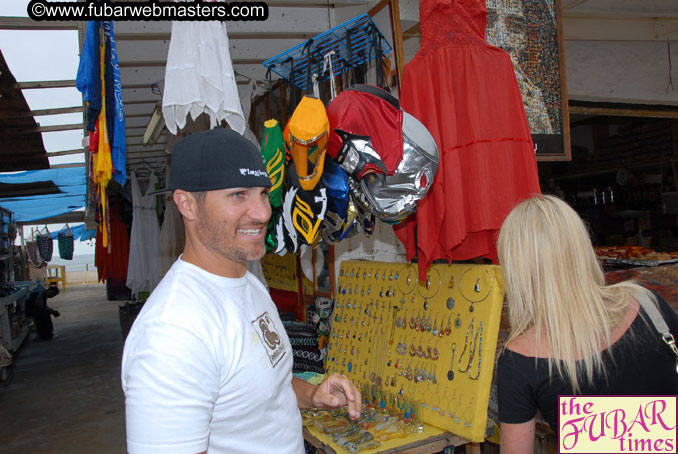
(40, 56)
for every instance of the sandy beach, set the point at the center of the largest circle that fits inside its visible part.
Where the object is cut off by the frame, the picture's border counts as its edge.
(81, 277)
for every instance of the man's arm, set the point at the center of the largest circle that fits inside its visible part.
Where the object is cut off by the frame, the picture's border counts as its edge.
(335, 391)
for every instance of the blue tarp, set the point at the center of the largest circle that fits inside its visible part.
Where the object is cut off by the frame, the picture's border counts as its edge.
(79, 233)
(71, 181)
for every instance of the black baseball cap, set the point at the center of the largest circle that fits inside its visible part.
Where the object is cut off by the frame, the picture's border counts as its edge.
(216, 159)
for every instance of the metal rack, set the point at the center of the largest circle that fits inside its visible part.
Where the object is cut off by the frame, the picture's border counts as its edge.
(354, 42)
(7, 227)
(13, 324)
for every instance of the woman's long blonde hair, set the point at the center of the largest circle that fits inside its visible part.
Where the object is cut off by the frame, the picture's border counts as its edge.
(555, 286)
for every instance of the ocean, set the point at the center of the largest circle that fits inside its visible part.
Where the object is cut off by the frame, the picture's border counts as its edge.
(80, 262)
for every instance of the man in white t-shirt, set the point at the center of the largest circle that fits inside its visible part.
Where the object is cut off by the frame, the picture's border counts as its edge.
(207, 366)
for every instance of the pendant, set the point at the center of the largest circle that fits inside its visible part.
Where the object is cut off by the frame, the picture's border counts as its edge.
(450, 303)
(457, 321)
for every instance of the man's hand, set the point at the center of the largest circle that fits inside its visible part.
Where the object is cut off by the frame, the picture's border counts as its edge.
(336, 391)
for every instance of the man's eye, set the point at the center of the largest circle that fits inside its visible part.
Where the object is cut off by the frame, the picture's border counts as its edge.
(238, 195)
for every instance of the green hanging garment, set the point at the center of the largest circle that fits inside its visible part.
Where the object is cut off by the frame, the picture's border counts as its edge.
(273, 152)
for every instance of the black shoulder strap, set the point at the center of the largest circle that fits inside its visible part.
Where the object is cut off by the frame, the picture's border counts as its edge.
(378, 92)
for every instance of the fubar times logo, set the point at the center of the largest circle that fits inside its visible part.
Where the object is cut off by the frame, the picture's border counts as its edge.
(617, 424)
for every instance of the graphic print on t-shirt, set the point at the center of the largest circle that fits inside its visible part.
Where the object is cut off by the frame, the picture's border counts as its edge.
(266, 331)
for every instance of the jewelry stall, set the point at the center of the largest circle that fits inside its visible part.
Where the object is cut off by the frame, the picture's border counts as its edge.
(421, 352)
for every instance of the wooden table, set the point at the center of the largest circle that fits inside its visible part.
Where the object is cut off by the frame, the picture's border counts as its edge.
(432, 444)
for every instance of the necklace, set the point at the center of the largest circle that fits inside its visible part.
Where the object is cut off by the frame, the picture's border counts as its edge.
(468, 421)
(475, 292)
(407, 284)
(480, 352)
(466, 346)
(428, 294)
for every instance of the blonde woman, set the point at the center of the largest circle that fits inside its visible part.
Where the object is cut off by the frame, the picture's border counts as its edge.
(570, 333)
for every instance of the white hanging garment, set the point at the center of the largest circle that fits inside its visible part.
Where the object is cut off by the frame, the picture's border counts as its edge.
(171, 235)
(143, 269)
(245, 93)
(199, 76)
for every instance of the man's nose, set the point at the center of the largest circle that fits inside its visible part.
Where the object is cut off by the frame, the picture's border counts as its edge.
(260, 209)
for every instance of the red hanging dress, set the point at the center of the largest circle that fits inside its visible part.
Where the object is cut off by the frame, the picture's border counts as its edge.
(465, 92)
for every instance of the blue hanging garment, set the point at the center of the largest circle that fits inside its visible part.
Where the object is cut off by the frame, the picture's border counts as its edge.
(115, 109)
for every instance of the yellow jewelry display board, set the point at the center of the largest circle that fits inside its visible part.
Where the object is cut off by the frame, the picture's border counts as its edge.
(432, 342)
(280, 271)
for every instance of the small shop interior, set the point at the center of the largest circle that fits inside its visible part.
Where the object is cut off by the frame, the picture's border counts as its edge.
(419, 335)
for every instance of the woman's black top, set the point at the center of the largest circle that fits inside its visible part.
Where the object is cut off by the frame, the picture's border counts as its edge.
(639, 363)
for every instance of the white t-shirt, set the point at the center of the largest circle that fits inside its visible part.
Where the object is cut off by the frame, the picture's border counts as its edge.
(208, 366)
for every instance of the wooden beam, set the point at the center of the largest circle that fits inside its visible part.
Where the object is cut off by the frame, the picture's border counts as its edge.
(18, 131)
(26, 23)
(412, 32)
(143, 101)
(65, 166)
(586, 110)
(397, 41)
(231, 36)
(138, 115)
(41, 112)
(46, 84)
(378, 7)
(618, 28)
(65, 152)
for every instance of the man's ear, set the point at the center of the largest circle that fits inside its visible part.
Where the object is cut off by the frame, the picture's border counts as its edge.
(186, 204)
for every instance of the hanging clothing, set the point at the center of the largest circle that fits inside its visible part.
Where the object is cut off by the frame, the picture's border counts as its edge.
(143, 271)
(88, 78)
(171, 235)
(199, 77)
(115, 108)
(245, 93)
(98, 79)
(103, 167)
(466, 94)
(113, 263)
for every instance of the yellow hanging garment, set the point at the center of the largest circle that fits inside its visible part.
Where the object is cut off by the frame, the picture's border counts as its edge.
(103, 165)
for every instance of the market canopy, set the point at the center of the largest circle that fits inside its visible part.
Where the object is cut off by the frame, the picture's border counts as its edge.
(71, 196)
(79, 232)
